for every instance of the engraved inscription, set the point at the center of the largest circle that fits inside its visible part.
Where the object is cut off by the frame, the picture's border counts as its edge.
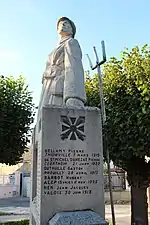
(70, 172)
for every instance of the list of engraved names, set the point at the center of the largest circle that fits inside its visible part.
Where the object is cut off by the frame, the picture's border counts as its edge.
(70, 171)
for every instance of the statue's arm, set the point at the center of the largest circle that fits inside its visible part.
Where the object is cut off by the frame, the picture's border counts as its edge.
(73, 49)
(74, 73)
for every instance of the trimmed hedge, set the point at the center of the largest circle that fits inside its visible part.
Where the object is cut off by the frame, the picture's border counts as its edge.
(6, 214)
(22, 222)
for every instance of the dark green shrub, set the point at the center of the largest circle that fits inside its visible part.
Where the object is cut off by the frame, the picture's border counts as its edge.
(22, 222)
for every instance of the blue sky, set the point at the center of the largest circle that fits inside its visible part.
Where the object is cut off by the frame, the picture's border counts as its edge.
(28, 31)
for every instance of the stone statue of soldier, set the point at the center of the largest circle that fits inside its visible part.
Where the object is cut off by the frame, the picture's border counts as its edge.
(66, 130)
(63, 79)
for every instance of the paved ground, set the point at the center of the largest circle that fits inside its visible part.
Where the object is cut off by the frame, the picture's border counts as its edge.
(122, 214)
(14, 202)
(21, 206)
(15, 205)
(13, 218)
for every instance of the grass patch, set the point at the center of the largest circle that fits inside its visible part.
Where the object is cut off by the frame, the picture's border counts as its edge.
(22, 222)
(6, 214)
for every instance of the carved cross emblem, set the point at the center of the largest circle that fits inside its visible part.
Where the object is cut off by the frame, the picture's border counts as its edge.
(72, 128)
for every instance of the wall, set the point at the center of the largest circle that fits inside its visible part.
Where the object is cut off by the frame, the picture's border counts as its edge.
(6, 169)
(8, 190)
(119, 196)
(26, 186)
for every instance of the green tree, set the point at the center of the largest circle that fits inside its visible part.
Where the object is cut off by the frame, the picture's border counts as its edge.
(16, 116)
(126, 84)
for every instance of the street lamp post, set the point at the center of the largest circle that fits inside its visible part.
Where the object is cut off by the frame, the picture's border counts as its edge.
(22, 191)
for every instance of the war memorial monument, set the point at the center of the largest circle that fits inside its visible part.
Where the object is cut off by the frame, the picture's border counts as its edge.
(67, 155)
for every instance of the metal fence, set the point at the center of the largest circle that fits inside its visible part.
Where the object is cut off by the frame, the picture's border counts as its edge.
(118, 181)
(7, 179)
(4, 179)
(8, 188)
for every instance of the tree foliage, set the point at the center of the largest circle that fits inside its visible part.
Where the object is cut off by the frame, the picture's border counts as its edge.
(16, 116)
(126, 84)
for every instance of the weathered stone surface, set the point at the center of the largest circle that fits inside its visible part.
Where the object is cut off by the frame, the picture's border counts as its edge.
(67, 157)
(64, 75)
(69, 162)
(77, 218)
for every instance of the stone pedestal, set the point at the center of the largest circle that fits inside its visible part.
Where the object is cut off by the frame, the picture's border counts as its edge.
(67, 173)
(77, 218)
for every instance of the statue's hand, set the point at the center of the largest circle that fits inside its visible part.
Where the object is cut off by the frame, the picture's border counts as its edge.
(74, 102)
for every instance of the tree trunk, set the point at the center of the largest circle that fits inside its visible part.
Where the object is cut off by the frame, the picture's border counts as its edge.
(139, 206)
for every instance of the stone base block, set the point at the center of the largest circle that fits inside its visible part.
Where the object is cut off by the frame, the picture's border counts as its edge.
(67, 165)
(77, 218)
